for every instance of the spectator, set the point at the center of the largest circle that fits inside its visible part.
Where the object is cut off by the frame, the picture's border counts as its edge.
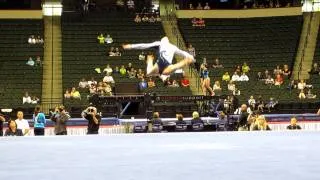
(75, 94)
(315, 69)
(108, 39)
(60, 118)
(30, 62)
(260, 104)
(117, 52)
(231, 86)
(261, 124)
(34, 100)
(269, 80)
(259, 76)
(123, 71)
(38, 61)
(201, 23)
(26, 98)
(32, 40)
(22, 124)
(108, 78)
(238, 69)
(243, 112)
(129, 67)
(112, 51)
(293, 124)
(291, 85)
(158, 19)
(151, 83)
(199, 7)
(194, 22)
(286, 71)
(83, 83)
(192, 50)
(2, 120)
(130, 4)
(101, 39)
(156, 122)
(236, 92)
(132, 73)
(174, 84)
(116, 70)
(39, 40)
(310, 95)
(92, 81)
(184, 81)
(107, 89)
(152, 19)
(266, 74)
(196, 122)
(301, 85)
(140, 74)
(108, 69)
(145, 18)
(207, 7)
(244, 77)
(191, 7)
(143, 85)
(235, 77)
(252, 103)
(93, 89)
(181, 125)
(217, 86)
(277, 70)
(279, 80)
(39, 120)
(226, 77)
(67, 94)
(137, 19)
(217, 64)
(245, 68)
(271, 104)
(142, 56)
(12, 129)
(120, 4)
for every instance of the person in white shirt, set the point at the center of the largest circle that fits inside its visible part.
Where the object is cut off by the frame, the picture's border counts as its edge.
(92, 82)
(301, 85)
(30, 62)
(32, 40)
(22, 123)
(108, 79)
(235, 77)
(207, 7)
(244, 77)
(83, 83)
(108, 69)
(34, 100)
(252, 102)
(108, 39)
(163, 65)
(26, 99)
(142, 56)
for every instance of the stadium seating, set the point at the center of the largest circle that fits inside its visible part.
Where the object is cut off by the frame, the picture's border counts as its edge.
(263, 43)
(16, 76)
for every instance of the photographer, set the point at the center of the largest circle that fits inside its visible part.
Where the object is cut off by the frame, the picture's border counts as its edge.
(93, 118)
(60, 118)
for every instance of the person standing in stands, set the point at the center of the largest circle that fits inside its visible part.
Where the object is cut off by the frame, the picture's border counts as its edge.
(2, 120)
(94, 119)
(293, 124)
(39, 120)
(22, 124)
(60, 118)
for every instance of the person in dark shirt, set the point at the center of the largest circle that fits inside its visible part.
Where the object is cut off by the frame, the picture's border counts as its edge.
(293, 125)
(181, 125)
(243, 119)
(12, 129)
(94, 120)
(261, 124)
(156, 122)
(196, 122)
(2, 119)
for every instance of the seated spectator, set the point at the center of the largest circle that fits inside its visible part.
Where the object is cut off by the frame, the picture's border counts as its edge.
(93, 89)
(123, 71)
(137, 19)
(277, 70)
(207, 7)
(75, 94)
(142, 84)
(38, 61)
(226, 77)
(245, 110)
(30, 62)
(286, 71)
(199, 7)
(145, 18)
(271, 104)
(152, 19)
(243, 77)
(101, 39)
(83, 83)
(100, 87)
(279, 80)
(196, 122)
(108, 39)
(260, 104)
(231, 86)
(181, 125)
(39, 40)
(252, 103)
(310, 95)
(32, 40)
(201, 23)
(245, 68)
(259, 76)
(130, 4)
(261, 124)
(111, 51)
(151, 83)
(26, 99)
(12, 129)
(191, 7)
(67, 94)
(92, 81)
(185, 82)
(236, 92)
(235, 77)
(293, 124)
(217, 64)
(117, 52)
(266, 74)
(194, 22)
(132, 73)
(116, 70)
(107, 89)
(142, 56)
(35, 100)
(129, 67)
(315, 69)
(156, 122)
(108, 69)
(108, 79)
(158, 19)
(238, 69)
(269, 80)
(217, 86)
(174, 84)
(301, 85)
(191, 50)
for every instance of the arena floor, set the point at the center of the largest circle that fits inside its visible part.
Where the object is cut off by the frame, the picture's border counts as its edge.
(185, 156)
